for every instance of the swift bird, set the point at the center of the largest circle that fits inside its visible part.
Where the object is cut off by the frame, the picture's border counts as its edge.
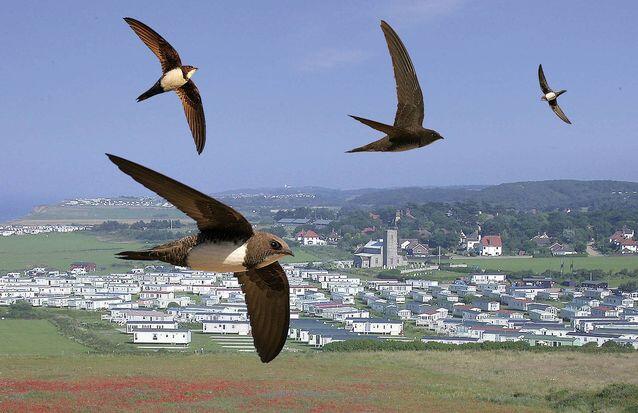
(175, 76)
(407, 132)
(550, 96)
(226, 242)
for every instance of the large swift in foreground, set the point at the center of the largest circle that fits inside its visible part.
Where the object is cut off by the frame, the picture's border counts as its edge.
(226, 242)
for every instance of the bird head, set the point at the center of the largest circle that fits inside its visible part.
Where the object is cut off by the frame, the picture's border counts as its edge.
(428, 136)
(190, 71)
(543, 97)
(264, 249)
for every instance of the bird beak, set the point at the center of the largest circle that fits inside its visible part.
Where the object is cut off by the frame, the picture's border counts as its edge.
(288, 252)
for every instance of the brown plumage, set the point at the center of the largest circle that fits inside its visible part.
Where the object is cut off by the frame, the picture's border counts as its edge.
(407, 132)
(184, 87)
(226, 242)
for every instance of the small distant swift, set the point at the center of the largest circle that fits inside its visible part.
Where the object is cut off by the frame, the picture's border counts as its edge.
(550, 96)
(175, 77)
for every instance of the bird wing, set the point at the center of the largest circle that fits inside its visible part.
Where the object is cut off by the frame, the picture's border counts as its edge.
(194, 111)
(410, 109)
(268, 301)
(543, 82)
(209, 213)
(167, 55)
(558, 111)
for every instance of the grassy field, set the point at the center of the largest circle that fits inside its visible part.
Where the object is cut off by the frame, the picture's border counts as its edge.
(92, 215)
(538, 265)
(59, 251)
(495, 381)
(35, 337)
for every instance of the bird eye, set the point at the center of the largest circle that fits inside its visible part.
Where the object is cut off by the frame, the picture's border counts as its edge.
(275, 245)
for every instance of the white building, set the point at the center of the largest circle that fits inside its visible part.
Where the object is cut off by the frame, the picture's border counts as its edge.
(241, 328)
(310, 238)
(375, 326)
(159, 336)
(491, 245)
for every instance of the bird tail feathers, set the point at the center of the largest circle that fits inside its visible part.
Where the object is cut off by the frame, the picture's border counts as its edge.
(387, 129)
(138, 255)
(155, 90)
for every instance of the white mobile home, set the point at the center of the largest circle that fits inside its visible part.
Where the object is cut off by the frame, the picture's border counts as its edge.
(156, 336)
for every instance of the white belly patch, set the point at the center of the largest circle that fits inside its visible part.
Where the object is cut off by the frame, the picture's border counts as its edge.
(173, 79)
(550, 96)
(219, 257)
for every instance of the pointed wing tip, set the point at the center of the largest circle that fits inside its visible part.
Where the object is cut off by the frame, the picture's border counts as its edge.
(116, 159)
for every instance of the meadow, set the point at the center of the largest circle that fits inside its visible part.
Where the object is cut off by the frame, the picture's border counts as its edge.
(58, 251)
(494, 381)
(35, 337)
(41, 370)
(539, 265)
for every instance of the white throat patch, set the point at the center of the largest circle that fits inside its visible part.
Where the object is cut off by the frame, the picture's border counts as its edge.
(219, 257)
(173, 79)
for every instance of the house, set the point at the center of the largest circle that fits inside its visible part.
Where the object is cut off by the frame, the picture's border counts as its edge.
(413, 248)
(375, 326)
(561, 250)
(542, 240)
(541, 282)
(159, 336)
(132, 326)
(471, 242)
(550, 340)
(241, 328)
(486, 305)
(82, 267)
(487, 278)
(310, 237)
(624, 241)
(491, 246)
(604, 311)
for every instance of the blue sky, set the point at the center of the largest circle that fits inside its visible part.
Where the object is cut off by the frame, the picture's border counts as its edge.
(278, 80)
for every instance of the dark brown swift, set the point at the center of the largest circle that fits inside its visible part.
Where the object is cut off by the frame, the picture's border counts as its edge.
(407, 132)
(226, 242)
(174, 77)
(550, 96)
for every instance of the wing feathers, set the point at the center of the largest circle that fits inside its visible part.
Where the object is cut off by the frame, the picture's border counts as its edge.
(167, 55)
(410, 109)
(558, 111)
(209, 213)
(194, 111)
(543, 82)
(268, 302)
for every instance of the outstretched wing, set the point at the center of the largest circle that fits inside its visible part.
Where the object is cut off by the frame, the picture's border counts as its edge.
(209, 213)
(166, 54)
(194, 111)
(268, 302)
(558, 111)
(543, 82)
(410, 109)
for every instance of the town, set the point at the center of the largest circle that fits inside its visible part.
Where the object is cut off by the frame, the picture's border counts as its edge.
(151, 304)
